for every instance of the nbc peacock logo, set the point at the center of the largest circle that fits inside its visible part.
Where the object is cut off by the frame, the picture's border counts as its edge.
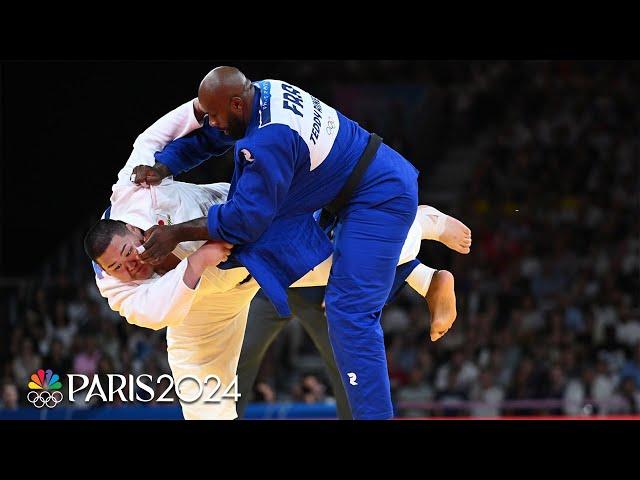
(39, 386)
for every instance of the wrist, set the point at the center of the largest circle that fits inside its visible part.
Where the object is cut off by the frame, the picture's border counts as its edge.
(195, 263)
(162, 170)
(193, 272)
(176, 233)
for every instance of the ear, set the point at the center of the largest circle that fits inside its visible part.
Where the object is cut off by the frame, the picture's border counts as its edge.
(237, 104)
(132, 229)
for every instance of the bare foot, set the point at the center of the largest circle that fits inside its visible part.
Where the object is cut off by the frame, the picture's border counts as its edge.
(455, 234)
(441, 298)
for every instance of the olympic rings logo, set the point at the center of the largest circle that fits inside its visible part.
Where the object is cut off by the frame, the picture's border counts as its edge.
(40, 399)
(330, 126)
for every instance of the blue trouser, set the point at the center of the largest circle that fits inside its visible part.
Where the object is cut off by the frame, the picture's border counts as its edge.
(368, 240)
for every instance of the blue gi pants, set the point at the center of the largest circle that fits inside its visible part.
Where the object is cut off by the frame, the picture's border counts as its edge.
(368, 240)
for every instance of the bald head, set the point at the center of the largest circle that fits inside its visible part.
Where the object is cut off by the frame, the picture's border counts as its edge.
(223, 81)
(226, 95)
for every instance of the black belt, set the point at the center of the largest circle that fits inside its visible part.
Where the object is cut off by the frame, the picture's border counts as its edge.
(331, 211)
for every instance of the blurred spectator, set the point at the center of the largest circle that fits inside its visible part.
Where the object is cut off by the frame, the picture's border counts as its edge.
(57, 360)
(310, 390)
(488, 396)
(416, 390)
(626, 399)
(631, 368)
(9, 397)
(26, 363)
(86, 360)
(263, 393)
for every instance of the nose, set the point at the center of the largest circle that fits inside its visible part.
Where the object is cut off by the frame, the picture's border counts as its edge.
(132, 266)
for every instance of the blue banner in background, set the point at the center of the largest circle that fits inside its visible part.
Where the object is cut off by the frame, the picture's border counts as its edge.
(254, 411)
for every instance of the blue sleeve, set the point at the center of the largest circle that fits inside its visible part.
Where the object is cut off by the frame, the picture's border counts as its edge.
(259, 189)
(187, 152)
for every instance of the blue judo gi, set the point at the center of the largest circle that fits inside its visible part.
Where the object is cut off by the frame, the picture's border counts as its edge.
(296, 155)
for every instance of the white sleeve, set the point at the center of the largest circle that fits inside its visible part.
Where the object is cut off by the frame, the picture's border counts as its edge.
(420, 279)
(175, 124)
(411, 246)
(157, 303)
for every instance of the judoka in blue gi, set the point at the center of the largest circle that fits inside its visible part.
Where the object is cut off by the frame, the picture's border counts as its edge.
(295, 155)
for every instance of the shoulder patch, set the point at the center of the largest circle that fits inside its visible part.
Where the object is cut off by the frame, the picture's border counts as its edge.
(265, 102)
(248, 156)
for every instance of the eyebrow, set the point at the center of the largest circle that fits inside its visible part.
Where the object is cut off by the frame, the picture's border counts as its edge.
(121, 251)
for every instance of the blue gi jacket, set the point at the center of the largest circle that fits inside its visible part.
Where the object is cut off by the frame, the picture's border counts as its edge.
(296, 155)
